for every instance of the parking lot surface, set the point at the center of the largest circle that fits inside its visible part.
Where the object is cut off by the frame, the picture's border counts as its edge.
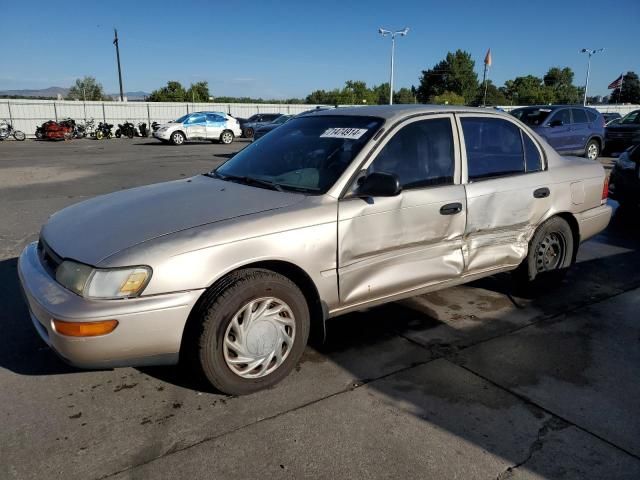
(474, 381)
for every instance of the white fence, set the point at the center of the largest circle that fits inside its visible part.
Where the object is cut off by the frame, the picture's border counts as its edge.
(26, 115)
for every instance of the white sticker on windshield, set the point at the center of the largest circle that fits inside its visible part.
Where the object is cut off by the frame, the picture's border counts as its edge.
(350, 133)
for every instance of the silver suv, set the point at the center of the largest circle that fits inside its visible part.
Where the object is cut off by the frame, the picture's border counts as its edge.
(332, 212)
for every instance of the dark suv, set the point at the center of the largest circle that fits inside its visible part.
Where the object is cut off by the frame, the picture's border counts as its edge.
(571, 130)
(624, 134)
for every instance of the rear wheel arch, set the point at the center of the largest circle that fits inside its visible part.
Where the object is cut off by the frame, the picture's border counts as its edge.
(575, 230)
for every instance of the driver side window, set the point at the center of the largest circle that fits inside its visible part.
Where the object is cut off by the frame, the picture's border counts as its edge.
(421, 154)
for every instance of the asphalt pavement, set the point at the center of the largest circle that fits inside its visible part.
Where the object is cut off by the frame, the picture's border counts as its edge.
(476, 381)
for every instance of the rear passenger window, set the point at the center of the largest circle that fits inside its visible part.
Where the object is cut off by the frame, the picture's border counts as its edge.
(420, 154)
(532, 158)
(579, 115)
(593, 116)
(563, 115)
(494, 148)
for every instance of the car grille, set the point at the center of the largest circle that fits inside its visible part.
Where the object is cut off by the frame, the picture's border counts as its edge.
(621, 135)
(50, 260)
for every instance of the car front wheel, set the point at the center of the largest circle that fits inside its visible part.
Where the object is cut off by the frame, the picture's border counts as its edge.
(593, 150)
(250, 332)
(248, 132)
(177, 138)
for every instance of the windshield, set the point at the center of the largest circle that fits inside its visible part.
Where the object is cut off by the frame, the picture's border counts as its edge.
(305, 154)
(182, 118)
(532, 116)
(281, 119)
(632, 117)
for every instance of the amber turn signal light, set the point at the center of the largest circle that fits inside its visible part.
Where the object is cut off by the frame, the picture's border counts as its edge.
(85, 329)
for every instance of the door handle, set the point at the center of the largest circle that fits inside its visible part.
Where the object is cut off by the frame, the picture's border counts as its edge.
(543, 192)
(451, 209)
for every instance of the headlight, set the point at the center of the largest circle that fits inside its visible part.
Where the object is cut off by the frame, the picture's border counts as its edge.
(103, 283)
(625, 163)
(163, 129)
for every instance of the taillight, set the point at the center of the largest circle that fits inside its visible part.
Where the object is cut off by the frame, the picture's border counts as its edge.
(605, 189)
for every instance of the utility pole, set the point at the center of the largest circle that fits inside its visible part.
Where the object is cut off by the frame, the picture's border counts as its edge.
(115, 42)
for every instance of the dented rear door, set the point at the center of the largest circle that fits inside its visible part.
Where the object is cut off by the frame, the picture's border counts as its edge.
(508, 188)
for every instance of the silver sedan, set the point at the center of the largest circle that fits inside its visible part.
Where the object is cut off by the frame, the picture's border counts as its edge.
(232, 270)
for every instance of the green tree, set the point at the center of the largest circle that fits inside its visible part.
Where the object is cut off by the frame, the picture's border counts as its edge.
(173, 92)
(448, 98)
(630, 90)
(560, 82)
(198, 92)
(495, 96)
(454, 74)
(528, 90)
(404, 95)
(86, 88)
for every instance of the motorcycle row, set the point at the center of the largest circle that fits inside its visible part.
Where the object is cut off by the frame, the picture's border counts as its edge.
(68, 129)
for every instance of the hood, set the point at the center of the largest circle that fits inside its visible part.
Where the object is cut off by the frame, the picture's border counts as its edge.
(629, 127)
(98, 228)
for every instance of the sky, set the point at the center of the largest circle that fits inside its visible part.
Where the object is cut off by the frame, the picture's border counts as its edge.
(283, 49)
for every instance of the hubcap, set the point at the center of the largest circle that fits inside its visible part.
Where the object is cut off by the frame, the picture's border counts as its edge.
(178, 138)
(259, 337)
(550, 252)
(592, 152)
(226, 137)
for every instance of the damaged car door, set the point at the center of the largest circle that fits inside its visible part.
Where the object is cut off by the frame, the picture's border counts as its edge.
(508, 191)
(398, 243)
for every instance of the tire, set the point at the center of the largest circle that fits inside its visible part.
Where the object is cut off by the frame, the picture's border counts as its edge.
(19, 135)
(39, 134)
(226, 137)
(130, 134)
(551, 253)
(118, 133)
(177, 138)
(99, 134)
(212, 341)
(249, 132)
(592, 150)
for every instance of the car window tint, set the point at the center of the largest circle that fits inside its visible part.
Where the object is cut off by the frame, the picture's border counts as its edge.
(579, 115)
(420, 154)
(593, 116)
(563, 115)
(532, 158)
(212, 117)
(493, 146)
(195, 119)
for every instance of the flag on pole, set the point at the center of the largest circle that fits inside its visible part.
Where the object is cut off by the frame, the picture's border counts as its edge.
(617, 83)
(487, 58)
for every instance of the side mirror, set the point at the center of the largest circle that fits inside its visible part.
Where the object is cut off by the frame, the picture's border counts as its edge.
(556, 123)
(379, 184)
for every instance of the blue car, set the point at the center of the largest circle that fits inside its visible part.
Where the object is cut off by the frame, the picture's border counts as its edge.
(570, 129)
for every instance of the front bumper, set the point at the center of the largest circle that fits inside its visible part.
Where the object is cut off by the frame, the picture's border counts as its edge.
(624, 185)
(166, 135)
(593, 221)
(149, 331)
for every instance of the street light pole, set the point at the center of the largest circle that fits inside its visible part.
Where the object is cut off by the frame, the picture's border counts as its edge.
(590, 52)
(384, 32)
(116, 43)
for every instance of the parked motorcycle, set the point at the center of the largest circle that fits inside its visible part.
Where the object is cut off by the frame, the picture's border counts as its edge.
(104, 131)
(56, 130)
(127, 129)
(142, 128)
(77, 129)
(155, 126)
(89, 128)
(7, 130)
(40, 131)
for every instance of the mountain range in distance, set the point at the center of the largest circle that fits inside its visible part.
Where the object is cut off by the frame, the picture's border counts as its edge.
(55, 91)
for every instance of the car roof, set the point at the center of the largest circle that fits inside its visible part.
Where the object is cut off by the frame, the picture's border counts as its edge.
(390, 112)
(217, 113)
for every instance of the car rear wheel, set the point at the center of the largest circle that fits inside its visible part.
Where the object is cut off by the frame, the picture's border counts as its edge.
(249, 132)
(226, 137)
(550, 253)
(177, 138)
(592, 150)
(249, 332)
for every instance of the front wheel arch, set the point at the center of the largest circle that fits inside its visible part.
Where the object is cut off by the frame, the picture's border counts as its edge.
(287, 269)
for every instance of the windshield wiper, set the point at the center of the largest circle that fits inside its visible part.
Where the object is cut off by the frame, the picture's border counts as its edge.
(246, 180)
